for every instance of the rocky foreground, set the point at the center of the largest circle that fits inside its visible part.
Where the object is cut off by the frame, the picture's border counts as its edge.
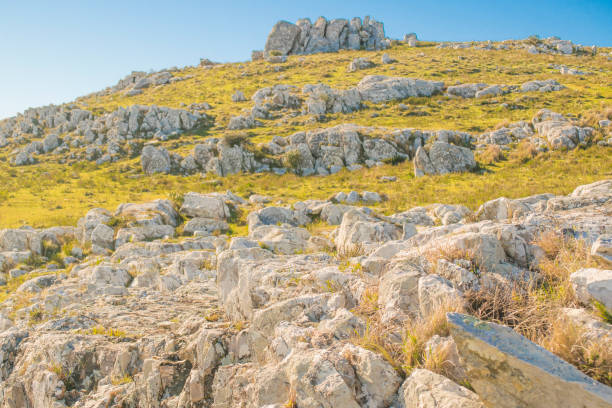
(322, 304)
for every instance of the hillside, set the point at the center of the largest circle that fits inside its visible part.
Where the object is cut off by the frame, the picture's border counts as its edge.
(346, 220)
(586, 98)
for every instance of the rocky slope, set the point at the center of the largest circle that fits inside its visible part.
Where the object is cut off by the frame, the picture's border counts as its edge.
(189, 295)
(130, 313)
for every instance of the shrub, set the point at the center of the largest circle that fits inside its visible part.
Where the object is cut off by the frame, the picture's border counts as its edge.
(177, 198)
(293, 159)
(235, 139)
(395, 160)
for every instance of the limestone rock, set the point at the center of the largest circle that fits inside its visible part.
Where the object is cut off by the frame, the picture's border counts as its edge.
(593, 284)
(507, 370)
(380, 88)
(425, 389)
(155, 160)
(602, 248)
(443, 158)
(359, 64)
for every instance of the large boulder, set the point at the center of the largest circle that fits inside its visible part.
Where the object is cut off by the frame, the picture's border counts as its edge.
(282, 38)
(155, 160)
(20, 240)
(507, 370)
(160, 212)
(283, 240)
(360, 232)
(443, 158)
(205, 206)
(381, 88)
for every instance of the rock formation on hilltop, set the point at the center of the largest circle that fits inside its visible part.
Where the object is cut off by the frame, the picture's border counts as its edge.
(304, 37)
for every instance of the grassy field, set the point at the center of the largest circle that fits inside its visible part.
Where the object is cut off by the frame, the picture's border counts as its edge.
(51, 193)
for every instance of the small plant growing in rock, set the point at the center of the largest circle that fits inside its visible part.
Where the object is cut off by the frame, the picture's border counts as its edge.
(126, 379)
(293, 160)
(36, 316)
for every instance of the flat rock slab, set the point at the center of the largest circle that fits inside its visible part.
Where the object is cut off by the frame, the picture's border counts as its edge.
(507, 370)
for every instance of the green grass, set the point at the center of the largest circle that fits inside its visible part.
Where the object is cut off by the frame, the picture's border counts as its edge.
(42, 201)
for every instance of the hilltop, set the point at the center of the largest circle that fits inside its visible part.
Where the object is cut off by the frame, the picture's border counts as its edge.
(346, 220)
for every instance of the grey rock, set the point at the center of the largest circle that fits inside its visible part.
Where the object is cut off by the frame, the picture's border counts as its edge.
(602, 248)
(443, 158)
(155, 160)
(507, 370)
(359, 64)
(380, 88)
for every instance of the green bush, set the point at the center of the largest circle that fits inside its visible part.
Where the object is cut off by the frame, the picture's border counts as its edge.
(235, 139)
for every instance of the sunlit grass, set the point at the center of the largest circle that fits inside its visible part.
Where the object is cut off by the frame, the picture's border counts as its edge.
(36, 198)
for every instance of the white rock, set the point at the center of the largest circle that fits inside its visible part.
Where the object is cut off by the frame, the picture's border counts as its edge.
(424, 389)
(593, 284)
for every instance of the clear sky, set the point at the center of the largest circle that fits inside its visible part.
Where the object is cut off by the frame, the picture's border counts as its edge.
(54, 51)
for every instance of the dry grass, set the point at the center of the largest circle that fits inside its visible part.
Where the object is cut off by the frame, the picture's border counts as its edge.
(410, 352)
(351, 251)
(419, 331)
(592, 356)
(524, 152)
(492, 154)
(533, 308)
(592, 117)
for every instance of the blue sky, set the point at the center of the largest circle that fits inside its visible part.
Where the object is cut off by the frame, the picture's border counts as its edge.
(54, 51)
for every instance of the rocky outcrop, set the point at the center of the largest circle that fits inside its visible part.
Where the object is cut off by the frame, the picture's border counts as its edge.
(304, 37)
(533, 45)
(118, 130)
(324, 151)
(548, 85)
(559, 131)
(507, 370)
(321, 99)
(154, 319)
